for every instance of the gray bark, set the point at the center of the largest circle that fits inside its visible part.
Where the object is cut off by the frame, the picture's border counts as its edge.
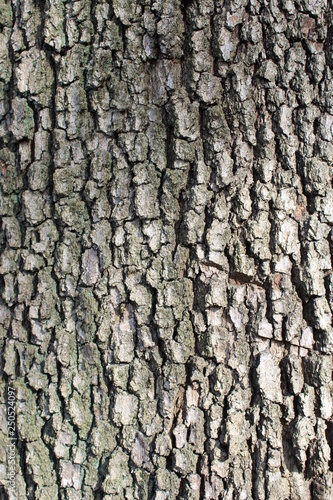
(167, 212)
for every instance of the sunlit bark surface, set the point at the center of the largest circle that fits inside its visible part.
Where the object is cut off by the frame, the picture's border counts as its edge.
(167, 212)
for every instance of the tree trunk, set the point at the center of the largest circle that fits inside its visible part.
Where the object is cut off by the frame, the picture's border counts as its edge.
(167, 205)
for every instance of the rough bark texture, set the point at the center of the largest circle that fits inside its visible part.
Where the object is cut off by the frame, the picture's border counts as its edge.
(167, 296)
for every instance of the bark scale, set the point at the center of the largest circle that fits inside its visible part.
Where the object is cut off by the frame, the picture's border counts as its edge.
(167, 212)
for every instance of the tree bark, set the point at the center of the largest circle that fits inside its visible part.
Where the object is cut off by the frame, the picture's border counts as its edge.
(167, 212)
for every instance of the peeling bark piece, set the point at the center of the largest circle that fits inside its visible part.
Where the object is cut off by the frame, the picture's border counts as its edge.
(90, 267)
(269, 377)
(35, 77)
(23, 124)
